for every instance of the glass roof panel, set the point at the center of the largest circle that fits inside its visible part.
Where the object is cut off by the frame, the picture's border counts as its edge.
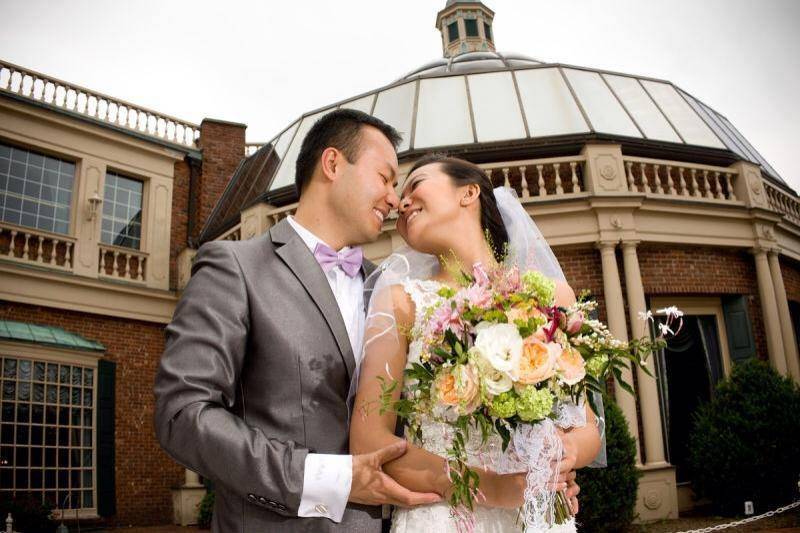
(549, 107)
(642, 109)
(442, 113)
(360, 104)
(758, 158)
(286, 137)
(473, 66)
(604, 111)
(688, 123)
(394, 106)
(495, 107)
(285, 174)
(726, 136)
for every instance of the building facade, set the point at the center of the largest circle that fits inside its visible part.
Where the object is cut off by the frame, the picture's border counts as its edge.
(648, 196)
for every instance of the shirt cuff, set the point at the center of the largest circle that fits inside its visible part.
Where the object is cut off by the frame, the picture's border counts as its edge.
(326, 486)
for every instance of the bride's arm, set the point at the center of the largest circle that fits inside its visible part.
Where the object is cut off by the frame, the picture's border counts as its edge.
(417, 470)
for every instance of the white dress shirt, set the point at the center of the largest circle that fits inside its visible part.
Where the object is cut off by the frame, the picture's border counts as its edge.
(327, 477)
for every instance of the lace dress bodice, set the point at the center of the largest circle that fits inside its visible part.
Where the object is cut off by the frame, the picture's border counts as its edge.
(436, 438)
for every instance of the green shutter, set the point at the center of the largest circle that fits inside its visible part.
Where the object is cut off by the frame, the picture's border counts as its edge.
(106, 492)
(741, 343)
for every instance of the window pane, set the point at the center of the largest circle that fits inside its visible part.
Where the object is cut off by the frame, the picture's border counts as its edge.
(46, 453)
(495, 107)
(452, 31)
(691, 127)
(487, 31)
(28, 183)
(122, 211)
(442, 113)
(363, 104)
(642, 108)
(395, 106)
(285, 174)
(604, 111)
(471, 25)
(549, 107)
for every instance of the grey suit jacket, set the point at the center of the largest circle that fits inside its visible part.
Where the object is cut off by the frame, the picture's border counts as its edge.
(254, 376)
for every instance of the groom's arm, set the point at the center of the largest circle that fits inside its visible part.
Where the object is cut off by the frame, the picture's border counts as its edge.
(197, 384)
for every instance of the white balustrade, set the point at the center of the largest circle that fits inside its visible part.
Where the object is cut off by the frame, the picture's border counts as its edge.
(36, 247)
(122, 263)
(683, 180)
(783, 202)
(539, 178)
(105, 109)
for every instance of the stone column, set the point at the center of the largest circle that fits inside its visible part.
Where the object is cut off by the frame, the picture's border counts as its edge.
(615, 309)
(769, 309)
(647, 386)
(191, 479)
(187, 498)
(787, 330)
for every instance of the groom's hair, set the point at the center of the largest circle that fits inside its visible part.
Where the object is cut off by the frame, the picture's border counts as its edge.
(340, 129)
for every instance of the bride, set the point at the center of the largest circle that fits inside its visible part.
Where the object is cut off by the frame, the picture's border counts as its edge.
(447, 210)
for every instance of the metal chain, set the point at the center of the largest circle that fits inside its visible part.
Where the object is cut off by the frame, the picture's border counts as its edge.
(744, 521)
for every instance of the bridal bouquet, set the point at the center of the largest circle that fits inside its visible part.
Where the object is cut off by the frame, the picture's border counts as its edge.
(499, 358)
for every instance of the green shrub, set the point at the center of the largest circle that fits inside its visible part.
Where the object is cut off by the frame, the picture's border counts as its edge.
(743, 444)
(206, 511)
(608, 495)
(29, 513)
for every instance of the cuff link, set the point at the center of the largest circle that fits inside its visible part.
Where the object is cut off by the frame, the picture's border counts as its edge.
(322, 509)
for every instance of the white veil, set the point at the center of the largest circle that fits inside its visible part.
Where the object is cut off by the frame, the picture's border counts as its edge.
(527, 249)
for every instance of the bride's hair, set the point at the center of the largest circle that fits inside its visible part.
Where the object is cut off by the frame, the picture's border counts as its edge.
(464, 173)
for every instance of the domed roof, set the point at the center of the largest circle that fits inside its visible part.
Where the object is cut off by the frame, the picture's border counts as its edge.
(471, 62)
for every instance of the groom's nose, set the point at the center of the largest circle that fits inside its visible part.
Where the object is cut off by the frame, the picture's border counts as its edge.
(392, 199)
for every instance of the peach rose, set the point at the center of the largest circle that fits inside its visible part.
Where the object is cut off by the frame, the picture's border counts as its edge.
(458, 387)
(571, 367)
(523, 313)
(537, 362)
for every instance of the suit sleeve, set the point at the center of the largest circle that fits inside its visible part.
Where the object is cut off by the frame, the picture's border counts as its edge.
(197, 383)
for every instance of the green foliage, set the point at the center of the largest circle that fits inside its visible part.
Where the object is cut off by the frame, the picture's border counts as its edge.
(205, 511)
(29, 513)
(608, 495)
(743, 445)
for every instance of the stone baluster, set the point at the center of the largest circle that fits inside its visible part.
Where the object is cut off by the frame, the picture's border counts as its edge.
(729, 184)
(526, 193)
(54, 252)
(684, 190)
(542, 190)
(506, 182)
(695, 186)
(659, 188)
(115, 267)
(631, 181)
(489, 175)
(556, 169)
(26, 248)
(40, 250)
(126, 261)
(576, 186)
(707, 185)
(142, 266)
(643, 177)
(670, 182)
(68, 255)
(718, 186)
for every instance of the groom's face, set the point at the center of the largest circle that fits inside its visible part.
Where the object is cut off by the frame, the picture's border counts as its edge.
(364, 193)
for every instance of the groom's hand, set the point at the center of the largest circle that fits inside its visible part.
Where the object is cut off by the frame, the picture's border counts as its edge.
(372, 486)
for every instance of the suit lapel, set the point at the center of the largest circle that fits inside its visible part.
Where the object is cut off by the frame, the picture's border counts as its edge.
(294, 252)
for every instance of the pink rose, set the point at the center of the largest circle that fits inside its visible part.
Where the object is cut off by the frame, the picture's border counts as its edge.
(575, 322)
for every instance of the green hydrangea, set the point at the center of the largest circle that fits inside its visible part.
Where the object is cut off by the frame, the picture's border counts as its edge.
(594, 366)
(540, 285)
(534, 404)
(504, 405)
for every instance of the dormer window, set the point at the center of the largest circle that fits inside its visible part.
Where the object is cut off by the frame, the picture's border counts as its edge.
(487, 31)
(452, 32)
(471, 25)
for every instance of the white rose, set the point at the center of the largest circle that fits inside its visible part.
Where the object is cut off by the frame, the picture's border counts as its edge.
(500, 345)
(494, 381)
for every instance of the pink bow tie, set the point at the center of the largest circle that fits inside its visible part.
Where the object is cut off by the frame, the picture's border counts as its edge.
(349, 261)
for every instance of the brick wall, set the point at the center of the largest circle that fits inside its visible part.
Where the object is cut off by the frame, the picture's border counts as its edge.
(144, 473)
(687, 271)
(791, 278)
(222, 144)
(583, 269)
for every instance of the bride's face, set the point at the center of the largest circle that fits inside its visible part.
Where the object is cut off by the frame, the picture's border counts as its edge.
(430, 212)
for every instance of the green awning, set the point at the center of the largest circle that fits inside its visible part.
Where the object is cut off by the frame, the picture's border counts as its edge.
(49, 335)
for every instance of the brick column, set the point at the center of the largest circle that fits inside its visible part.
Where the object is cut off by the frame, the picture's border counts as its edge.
(787, 330)
(615, 309)
(769, 309)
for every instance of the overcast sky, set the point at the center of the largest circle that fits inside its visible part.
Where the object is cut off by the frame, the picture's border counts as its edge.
(266, 63)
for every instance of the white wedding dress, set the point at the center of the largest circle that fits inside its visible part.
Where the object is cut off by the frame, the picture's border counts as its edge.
(436, 438)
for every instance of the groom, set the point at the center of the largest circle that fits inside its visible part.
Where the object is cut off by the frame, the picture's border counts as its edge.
(252, 387)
